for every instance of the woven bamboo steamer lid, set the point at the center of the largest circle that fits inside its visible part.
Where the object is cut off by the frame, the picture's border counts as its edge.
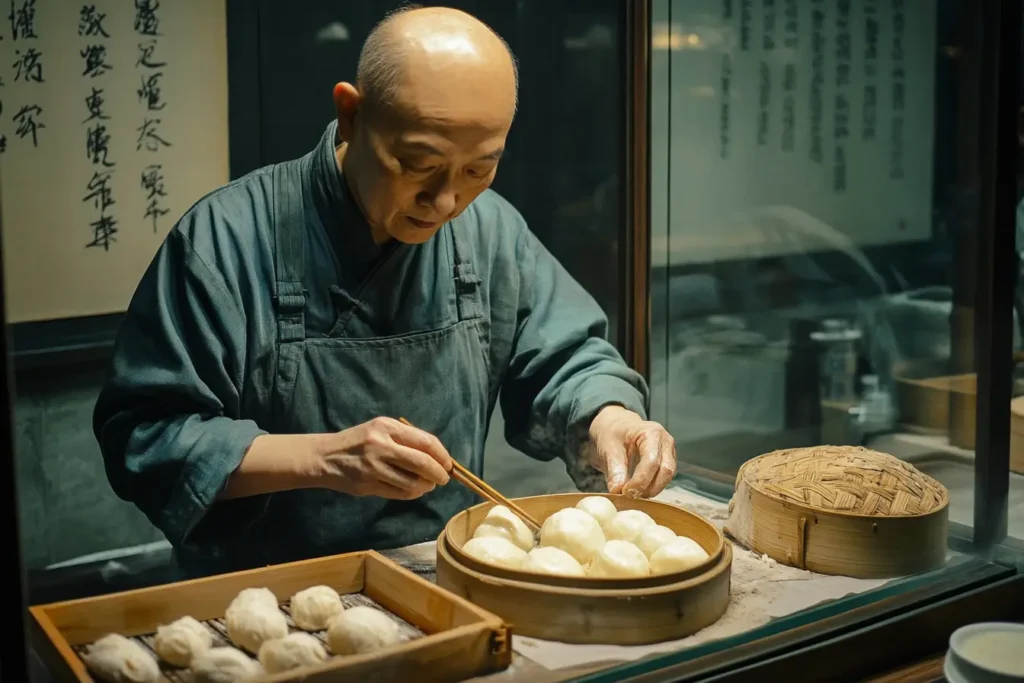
(842, 510)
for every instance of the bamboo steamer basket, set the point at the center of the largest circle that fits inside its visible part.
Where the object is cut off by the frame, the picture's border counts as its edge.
(591, 610)
(461, 527)
(840, 510)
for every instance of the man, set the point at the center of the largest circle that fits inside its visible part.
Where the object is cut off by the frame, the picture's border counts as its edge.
(292, 316)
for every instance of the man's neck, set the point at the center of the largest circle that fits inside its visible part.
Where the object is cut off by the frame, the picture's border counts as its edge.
(380, 236)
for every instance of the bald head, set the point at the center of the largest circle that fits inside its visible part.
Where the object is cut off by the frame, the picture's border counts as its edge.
(439, 47)
(425, 124)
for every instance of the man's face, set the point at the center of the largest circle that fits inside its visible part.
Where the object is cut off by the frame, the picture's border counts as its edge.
(415, 174)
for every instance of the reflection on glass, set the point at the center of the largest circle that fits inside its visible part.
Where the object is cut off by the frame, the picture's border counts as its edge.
(1016, 494)
(814, 236)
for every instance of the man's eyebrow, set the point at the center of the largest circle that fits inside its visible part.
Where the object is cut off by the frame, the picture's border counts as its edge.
(423, 147)
(496, 154)
(426, 148)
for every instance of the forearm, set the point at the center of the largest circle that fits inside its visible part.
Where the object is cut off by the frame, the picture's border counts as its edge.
(277, 462)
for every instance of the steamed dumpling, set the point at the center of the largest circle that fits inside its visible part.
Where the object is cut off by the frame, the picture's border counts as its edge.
(677, 555)
(224, 665)
(178, 642)
(291, 652)
(495, 550)
(552, 560)
(653, 537)
(362, 629)
(619, 560)
(573, 531)
(598, 507)
(314, 607)
(118, 659)
(503, 523)
(627, 525)
(250, 622)
(261, 596)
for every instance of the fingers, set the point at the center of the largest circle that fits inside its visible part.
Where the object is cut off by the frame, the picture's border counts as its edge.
(616, 466)
(420, 440)
(384, 471)
(417, 463)
(645, 449)
(667, 470)
(382, 490)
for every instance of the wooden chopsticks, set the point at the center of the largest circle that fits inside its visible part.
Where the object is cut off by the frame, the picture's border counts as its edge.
(483, 489)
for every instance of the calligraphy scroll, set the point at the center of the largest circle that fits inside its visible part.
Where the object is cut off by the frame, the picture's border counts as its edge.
(113, 121)
(794, 125)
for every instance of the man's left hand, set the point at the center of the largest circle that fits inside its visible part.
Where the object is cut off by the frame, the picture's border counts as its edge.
(637, 457)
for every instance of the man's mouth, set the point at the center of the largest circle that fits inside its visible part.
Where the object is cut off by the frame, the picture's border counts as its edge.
(423, 225)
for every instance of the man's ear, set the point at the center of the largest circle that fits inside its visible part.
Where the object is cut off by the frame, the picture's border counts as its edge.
(346, 101)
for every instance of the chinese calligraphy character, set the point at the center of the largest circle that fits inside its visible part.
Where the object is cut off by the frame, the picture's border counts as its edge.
(90, 22)
(28, 66)
(148, 136)
(95, 57)
(152, 182)
(792, 16)
(145, 59)
(27, 123)
(23, 19)
(99, 190)
(103, 230)
(3, 144)
(97, 145)
(150, 92)
(94, 103)
(146, 21)
(724, 113)
(768, 37)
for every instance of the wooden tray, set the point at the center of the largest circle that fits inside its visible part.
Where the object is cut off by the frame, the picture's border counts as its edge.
(930, 400)
(460, 529)
(628, 616)
(457, 640)
(840, 510)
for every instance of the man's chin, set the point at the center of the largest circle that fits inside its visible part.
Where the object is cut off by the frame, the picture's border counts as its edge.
(413, 235)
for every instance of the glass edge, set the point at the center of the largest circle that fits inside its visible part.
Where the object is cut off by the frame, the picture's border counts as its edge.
(965, 572)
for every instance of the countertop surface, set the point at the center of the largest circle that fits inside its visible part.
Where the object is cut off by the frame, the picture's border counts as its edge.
(761, 591)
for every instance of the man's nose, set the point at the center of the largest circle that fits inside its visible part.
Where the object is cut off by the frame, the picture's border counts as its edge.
(443, 197)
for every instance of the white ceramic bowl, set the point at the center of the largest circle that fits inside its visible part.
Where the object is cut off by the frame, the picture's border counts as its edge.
(990, 652)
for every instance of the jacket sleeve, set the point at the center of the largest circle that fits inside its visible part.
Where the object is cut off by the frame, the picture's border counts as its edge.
(562, 370)
(167, 418)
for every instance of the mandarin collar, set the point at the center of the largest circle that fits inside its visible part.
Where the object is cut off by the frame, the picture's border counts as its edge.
(346, 226)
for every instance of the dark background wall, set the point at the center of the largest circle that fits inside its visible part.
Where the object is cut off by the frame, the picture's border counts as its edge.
(565, 147)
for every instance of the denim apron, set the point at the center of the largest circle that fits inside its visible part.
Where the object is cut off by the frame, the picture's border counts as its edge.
(437, 378)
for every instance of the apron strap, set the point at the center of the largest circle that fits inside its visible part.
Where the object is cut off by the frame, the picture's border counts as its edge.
(467, 282)
(289, 252)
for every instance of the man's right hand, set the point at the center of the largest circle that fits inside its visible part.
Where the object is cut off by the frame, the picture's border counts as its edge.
(386, 458)
(382, 457)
